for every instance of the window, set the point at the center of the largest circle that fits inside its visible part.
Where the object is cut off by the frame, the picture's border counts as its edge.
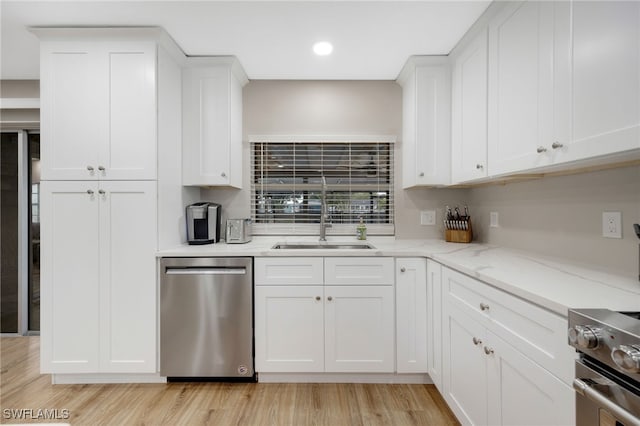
(286, 186)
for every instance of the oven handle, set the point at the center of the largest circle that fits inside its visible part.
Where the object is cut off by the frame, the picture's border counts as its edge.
(620, 413)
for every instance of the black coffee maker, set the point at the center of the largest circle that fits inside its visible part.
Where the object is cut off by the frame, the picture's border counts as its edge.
(203, 223)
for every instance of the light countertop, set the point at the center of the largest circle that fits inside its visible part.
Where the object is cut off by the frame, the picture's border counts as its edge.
(553, 283)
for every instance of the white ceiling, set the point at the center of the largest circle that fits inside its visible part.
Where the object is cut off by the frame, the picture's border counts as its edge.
(272, 39)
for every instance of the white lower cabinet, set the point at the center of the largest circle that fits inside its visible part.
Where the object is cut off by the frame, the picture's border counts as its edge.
(289, 328)
(358, 329)
(411, 315)
(434, 322)
(486, 380)
(98, 277)
(306, 328)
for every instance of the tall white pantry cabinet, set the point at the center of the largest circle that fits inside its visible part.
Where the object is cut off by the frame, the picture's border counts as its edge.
(104, 97)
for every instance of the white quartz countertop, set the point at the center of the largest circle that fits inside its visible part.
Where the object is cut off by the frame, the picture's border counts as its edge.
(553, 283)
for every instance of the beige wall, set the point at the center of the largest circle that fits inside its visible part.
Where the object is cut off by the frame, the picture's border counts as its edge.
(558, 216)
(562, 216)
(276, 107)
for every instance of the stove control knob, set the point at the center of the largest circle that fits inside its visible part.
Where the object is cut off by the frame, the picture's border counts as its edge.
(627, 358)
(585, 337)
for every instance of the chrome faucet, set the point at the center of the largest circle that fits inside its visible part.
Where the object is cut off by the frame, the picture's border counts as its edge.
(323, 211)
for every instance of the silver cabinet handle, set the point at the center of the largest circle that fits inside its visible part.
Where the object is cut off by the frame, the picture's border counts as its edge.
(329, 298)
(90, 191)
(101, 168)
(403, 269)
(421, 174)
(318, 298)
(479, 166)
(618, 412)
(556, 145)
(541, 149)
(223, 174)
(477, 341)
(483, 306)
(90, 168)
(488, 350)
(101, 192)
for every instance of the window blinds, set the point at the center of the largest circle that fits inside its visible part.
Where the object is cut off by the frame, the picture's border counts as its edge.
(286, 185)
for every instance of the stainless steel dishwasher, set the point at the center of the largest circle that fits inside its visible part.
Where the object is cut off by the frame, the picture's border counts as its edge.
(206, 317)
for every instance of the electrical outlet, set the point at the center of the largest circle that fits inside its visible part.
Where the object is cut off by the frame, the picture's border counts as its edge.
(493, 220)
(428, 217)
(612, 224)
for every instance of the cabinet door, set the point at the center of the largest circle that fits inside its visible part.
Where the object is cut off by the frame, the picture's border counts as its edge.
(523, 393)
(289, 329)
(469, 112)
(604, 90)
(128, 243)
(464, 367)
(411, 315)
(359, 329)
(70, 269)
(520, 87)
(434, 322)
(426, 123)
(73, 110)
(130, 151)
(212, 149)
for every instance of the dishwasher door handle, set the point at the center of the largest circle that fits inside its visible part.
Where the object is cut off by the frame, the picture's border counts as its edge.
(206, 271)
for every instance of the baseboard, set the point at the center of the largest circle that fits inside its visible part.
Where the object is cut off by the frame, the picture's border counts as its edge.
(388, 378)
(72, 379)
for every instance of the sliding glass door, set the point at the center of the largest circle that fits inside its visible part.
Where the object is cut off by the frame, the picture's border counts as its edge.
(20, 232)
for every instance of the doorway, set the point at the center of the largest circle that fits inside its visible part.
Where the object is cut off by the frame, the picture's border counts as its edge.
(20, 232)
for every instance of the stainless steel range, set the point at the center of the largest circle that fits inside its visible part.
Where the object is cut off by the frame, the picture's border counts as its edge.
(607, 379)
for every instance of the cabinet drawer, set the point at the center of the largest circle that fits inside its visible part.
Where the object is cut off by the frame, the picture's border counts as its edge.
(358, 271)
(288, 271)
(536, 332)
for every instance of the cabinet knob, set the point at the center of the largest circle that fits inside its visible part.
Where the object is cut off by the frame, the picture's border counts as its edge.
(329, 298)
(488, 350)
(90, 168)
(90, 191)
(477, 341)
(318, 298)
(421, 174)
(403, 269)
(101, 192)
(101, 168)
(483, 306)
(556, 145)
(541, 149)
(223, 174)
(479, 166)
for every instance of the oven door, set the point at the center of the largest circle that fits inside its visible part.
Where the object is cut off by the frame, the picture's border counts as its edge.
(604, 399)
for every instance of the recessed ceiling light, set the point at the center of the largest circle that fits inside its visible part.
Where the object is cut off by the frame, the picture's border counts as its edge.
(323, 48)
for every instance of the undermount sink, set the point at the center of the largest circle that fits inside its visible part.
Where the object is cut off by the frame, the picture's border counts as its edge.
(322, 246)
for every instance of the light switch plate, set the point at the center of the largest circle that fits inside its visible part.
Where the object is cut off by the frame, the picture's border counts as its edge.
(428, 217)
(612, 224)
(493, 220)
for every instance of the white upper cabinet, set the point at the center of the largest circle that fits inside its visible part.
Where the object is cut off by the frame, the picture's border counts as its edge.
(601, 98)
(559, 90)
(469, 111)
(426, 122)
(98, 109)
(212, 122)
(521, 48)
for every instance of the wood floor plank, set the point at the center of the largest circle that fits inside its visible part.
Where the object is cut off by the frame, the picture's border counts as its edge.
(217, 404)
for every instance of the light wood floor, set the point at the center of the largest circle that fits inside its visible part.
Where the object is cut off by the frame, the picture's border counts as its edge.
(23, 387)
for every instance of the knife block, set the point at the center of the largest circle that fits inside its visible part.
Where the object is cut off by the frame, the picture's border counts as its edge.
(459, 236)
